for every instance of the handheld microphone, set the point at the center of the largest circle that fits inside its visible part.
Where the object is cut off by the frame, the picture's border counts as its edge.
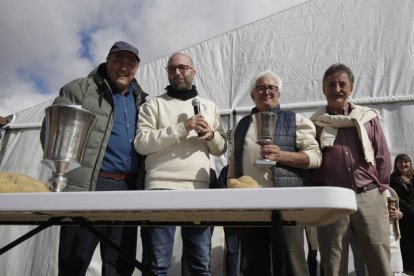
(196, 106)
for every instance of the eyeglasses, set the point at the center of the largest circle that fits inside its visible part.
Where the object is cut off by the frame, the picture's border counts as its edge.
(264, 88)
(182, 68)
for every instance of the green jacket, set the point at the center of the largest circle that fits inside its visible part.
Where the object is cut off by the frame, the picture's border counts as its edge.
(94, 93)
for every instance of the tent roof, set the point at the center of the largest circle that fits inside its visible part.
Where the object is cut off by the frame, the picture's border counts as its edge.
(299, 44)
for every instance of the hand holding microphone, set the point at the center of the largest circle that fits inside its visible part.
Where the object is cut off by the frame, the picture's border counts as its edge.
(196, 107)
(198, 123)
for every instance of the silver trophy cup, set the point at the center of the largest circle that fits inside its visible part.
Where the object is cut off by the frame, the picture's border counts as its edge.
(264, 125)
(67, 131)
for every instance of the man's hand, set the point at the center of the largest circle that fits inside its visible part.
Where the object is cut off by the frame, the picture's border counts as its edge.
(287, 158)
(272, 152)
(199, 125)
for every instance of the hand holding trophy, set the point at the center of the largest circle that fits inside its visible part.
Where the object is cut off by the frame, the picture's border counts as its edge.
(264, 125)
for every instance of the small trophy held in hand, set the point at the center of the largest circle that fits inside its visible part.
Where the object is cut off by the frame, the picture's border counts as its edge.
(264, 125)
(391, 202)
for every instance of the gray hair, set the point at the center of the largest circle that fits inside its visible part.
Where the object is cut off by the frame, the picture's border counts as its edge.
(338, 67)
(263, 74)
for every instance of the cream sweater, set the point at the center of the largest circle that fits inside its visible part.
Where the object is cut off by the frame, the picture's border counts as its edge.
(357, 118)
(177, 159)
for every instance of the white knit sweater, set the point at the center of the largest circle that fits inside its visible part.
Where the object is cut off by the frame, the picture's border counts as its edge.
(177, 159)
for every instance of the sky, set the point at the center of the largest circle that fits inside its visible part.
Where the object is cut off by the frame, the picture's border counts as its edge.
(47, 43)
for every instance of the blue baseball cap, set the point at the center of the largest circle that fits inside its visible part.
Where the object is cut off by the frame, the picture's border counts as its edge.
(123, 46)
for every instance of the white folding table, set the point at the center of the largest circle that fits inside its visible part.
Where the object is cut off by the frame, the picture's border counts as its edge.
(266, 207)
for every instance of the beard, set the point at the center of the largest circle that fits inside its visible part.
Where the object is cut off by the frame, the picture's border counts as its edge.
(182, 84)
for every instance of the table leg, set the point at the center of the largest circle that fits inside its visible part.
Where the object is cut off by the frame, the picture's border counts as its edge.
(41, 227)
(131, 259)
(278, 248)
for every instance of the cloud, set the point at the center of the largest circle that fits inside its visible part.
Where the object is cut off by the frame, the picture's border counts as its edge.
(46, 44)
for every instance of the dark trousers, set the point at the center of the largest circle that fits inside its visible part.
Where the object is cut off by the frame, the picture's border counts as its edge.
(256, 251)
(77, 244)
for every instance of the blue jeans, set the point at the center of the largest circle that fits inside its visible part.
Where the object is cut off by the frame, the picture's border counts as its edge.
(158, 244)
(231, 235)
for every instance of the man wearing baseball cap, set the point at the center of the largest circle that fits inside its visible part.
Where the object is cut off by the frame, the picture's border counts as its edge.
(123, 46)
(110, 162)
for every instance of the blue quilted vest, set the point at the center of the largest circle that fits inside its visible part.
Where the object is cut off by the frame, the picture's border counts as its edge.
(284, 137)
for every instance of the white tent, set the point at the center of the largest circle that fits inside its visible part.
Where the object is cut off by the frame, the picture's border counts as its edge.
(373, 37)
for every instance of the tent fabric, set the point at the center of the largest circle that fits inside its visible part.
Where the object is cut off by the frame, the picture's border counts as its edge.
(374, 38)
(21, 143)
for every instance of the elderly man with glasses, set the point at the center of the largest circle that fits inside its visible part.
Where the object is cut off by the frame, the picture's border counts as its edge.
(177, 132)
(294, 149)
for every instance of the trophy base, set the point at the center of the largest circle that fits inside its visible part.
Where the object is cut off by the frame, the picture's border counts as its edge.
(264, 163)
(58, 182)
